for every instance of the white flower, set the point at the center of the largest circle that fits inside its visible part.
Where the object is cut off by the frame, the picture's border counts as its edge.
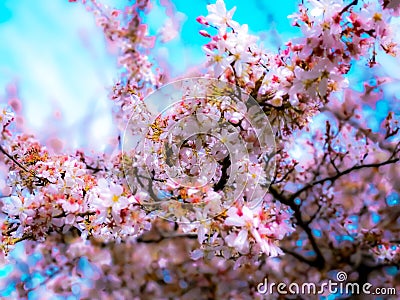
(219, 16)
(5, 117)
(321, 7)
(241, 38)
(267, 245)
(228, 137)
(277, 101)
(238, 241)
(241, 58)
(73, 173)
(109, 196)
(213, 206)
(240, 218)
(19, 206)
(218, 59)
(249, 221)
(202, 233)
(70, 205)
(385, 252)
(233, 117)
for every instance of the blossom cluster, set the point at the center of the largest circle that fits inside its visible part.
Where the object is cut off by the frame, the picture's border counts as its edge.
(294, 83)
(60, 192)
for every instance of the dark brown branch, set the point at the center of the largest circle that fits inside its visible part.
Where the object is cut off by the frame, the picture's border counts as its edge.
(41, 180)
(14, 160)
(340, 174)
(319, 261)
(346, 8)
(226, 163)
(164, 236)
(298, 256)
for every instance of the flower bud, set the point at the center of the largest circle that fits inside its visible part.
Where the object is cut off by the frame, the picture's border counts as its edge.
(202, 20)
(204, 33)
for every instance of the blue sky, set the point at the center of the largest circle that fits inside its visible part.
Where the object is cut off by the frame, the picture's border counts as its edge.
(57, 56)
(262, 17)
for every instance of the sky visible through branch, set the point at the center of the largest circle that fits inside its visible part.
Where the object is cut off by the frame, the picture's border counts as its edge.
(57, 57)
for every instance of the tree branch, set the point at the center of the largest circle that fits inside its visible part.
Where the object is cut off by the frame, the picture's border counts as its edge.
(342, 173)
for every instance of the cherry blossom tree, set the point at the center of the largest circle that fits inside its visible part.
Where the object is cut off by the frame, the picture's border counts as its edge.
(268, 164)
